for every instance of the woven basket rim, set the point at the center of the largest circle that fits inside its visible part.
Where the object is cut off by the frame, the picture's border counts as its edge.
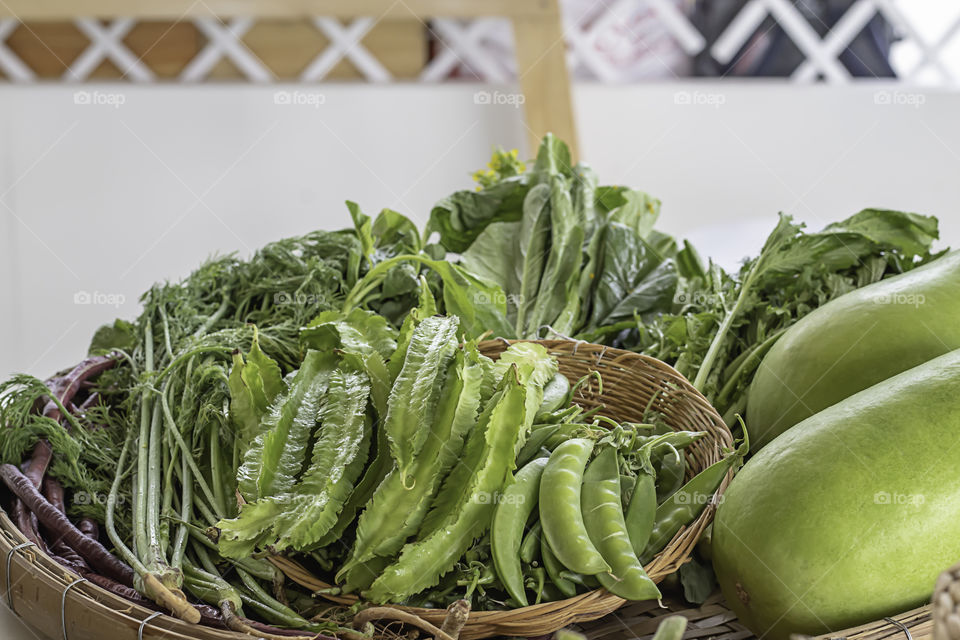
(38, 566)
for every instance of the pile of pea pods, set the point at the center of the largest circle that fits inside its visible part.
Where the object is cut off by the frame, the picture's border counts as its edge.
(592, 502)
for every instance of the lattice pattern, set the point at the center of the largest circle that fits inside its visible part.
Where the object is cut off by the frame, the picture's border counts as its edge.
(615, 41)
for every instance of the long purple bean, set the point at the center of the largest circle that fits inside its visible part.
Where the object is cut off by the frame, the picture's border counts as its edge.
(70, 383)
(91, 550)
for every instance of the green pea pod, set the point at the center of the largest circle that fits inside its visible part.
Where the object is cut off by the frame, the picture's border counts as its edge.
(379, 532)
(554, 570)
(416, 390)
(685, 505)
(627, 486)
(554, 393)
(530, 547)
(566, 432)
(534, 443)
(607, 528)
(560, 514)
(672, 628)
(489, 456)
(509, 521)
(671, 472)
(641, 512)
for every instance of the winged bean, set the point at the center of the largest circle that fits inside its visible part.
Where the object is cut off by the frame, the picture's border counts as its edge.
(415, 391)
(421, 563)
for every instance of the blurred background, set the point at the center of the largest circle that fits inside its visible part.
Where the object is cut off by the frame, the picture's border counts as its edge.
(132, 147)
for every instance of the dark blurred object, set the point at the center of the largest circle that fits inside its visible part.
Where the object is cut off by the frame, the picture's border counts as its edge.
(770, 52)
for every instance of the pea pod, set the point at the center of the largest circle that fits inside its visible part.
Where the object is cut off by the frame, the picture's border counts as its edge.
(489, 456)
(685, 505)
(560, 515)
(641, 512)
(509, 521)
(672, 628)
(530, 547)
(671, 471)
(555, 393)
(415, 392)
(555, 570)
(535, 441)
(603, 514)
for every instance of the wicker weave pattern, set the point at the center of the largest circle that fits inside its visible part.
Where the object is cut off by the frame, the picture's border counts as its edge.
(946, 605)
(631, 383)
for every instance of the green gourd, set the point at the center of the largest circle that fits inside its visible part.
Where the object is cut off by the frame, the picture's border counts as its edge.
(854, 342)
(850, 515)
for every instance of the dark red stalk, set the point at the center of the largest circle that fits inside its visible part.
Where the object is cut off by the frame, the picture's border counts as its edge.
(70, 384)
(89, 528)
(92, 551)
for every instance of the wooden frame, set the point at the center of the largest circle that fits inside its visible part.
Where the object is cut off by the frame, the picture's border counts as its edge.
(537, 26)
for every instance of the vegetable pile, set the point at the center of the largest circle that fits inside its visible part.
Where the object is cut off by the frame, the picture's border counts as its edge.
(326, 400)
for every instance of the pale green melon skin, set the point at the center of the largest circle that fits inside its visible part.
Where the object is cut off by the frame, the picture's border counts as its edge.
(803, 542)
(854, 342)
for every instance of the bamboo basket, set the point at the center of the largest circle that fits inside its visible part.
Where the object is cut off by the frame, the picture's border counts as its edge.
(60, 605)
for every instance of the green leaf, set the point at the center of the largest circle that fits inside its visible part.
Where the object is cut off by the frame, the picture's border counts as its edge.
(254, 384)
(119, 335)
(463, 216)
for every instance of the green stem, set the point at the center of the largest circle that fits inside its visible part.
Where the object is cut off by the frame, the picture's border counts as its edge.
(186, 513)
(704, 372)
(188, 454)
(142, 476)
(129, 556)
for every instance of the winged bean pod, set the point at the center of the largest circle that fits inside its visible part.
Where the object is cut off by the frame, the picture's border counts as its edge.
(415, 391)
(421, 563)
(377, 530)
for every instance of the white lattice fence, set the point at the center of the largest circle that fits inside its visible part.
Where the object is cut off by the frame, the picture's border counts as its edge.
(610, 41)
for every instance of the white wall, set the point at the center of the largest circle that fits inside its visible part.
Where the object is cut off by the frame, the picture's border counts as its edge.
(110, 199)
